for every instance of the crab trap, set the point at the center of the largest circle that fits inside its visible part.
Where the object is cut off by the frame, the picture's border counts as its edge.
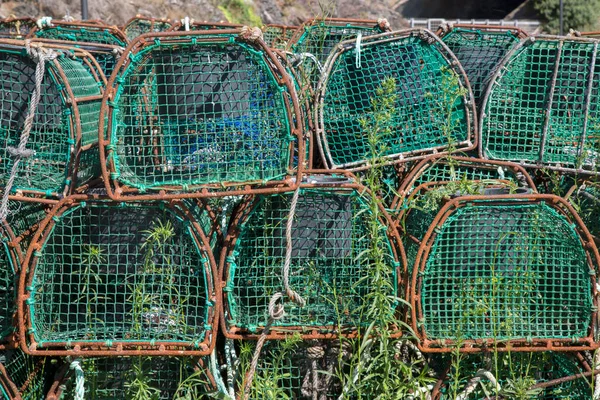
(585, 198)
(121, 378)
(86, 32)
(405, 86)
(277, 36)
(546, 375)
(108, 278)
(60, 151)
(200, 112)
(330, 260)
(513, 271)
(479, 50)
(16, 28)
(139, 25)
(541, 108)
(187, 24)
(23, 377)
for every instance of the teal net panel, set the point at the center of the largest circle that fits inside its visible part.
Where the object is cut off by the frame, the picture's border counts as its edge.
(61, 123)
(22, 376)
(480, 51)
(16, 28)
(111, 273)
(155, 378)
(82, 32)
(285, 370)
(586, 201)
(431, 104)
(516, 368)
(542, 106)
(505, 270)
(200, 110)
(329, 264)
(139, 25)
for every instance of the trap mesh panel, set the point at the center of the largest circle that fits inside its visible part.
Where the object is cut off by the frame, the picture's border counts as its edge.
(156, 378)
(55, 128)
(88, 33)
(127, 273)
(139, 25)
(277, 36)
(543, 104)
(285, 371)
(24, 373)
(16, 28)
(479, 52)
(505, 270)
(587, 202)
(197, 111)
(328, 266)
(537, 367)
(430, 110)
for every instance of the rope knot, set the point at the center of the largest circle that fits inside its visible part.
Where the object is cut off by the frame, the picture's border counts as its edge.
(383, 24)
(21, 153)
(315, 352)
(44, 22)
(276, 311)
(424, 36)
(446, 27)
(251, 34)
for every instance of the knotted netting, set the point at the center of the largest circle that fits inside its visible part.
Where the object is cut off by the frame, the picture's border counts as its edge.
(428, 108)
(506, 374)
(48, 145)
(139, 25)
(157, 378)
(541, 109)
(480, 50)
(329, 261)
(505, 269)
(278, 36)
(112, 277)
(16, 28)
(22, 376)
(86, 32)
(201, 110)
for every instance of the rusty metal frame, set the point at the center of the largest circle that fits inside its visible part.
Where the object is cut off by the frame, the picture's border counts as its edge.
(316, 332)
(471, 141)
(117, 348)
(69, 99)
(151, 20)
(93, 25)
(539, 163)
(407, 185)
(427, 345)
(117, 191)
(445, 29)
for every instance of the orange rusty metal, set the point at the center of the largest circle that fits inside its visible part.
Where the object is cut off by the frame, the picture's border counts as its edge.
(92, 24)
(446, 28)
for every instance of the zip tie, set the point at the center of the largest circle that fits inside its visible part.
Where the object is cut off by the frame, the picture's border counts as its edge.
(358, 43)
(186, 23)
(79, 380)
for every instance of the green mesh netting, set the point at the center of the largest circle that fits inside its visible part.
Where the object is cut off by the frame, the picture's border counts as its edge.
(329, 265)
(479, 52)
(155, 378)
(277, 36)
(27, 373)
(519, 369)
(198, 112)
(429, 111)
(78, 33)
(139, 26)
(543, 89)
(120, 272)
(506, 271)
(587, 203)
(285, 370)
(51, 136)
(17, 28)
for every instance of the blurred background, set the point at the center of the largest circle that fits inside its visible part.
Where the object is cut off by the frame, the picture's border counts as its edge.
(531, 15)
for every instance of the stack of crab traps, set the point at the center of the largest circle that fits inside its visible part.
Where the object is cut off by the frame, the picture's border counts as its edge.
(338, 210)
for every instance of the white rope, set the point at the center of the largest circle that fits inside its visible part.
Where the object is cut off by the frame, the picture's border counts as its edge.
(358, 44)
(472, 384)
(298, 58)
(40, 55)
(186, 23)
(597, 378)
(44, 22)
(292, 294)
(79, 380)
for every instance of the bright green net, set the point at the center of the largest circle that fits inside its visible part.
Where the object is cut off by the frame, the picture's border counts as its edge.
(128, 272)
(542, 109)
(81, 33)
(54, 125)
(518, 371)
(156, 378)
(199, 111)
(506, 271)
(430, 102)
(139, 26)
(26, 373)
(479, 52)
(329, 264)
